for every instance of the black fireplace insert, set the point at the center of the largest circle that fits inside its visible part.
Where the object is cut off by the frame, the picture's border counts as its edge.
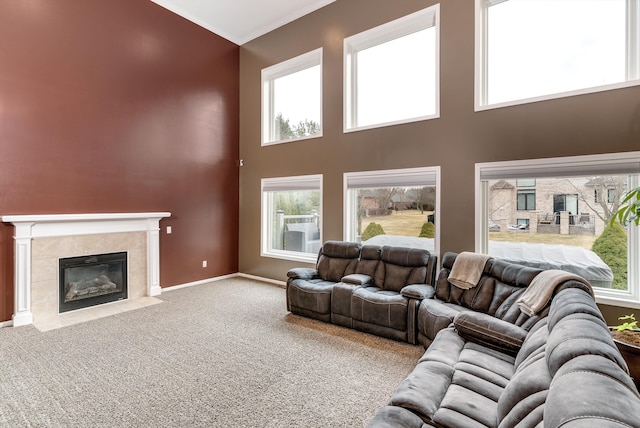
(92, 280)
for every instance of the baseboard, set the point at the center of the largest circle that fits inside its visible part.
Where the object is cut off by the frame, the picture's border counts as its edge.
(282, 284)
(220, 278)
(200, 282)
(6, 324)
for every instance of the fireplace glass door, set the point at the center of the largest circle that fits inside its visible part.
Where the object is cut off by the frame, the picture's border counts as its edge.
(92, 280)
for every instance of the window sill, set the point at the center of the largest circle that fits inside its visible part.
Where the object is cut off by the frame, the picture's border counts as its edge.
(292, 256)
(619, 302)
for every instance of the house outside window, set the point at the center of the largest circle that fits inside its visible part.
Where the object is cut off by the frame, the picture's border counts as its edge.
(392, 72)
(533, 50)
(292, 99)
(569, 229)
(292, 217)
(393, 207)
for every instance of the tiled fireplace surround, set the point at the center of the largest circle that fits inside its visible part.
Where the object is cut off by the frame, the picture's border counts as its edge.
(41, 240)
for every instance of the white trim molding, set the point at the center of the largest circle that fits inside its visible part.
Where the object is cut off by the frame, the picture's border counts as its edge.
(29, 227)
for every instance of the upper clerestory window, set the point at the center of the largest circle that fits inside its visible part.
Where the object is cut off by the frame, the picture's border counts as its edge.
(292, 99)
(392, 72)
(532, 50)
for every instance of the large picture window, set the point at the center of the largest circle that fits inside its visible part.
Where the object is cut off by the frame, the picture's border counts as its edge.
(393, 207)
(391, 72)
(292, 217)
(528, 50)
(292, 99)
(569, 229)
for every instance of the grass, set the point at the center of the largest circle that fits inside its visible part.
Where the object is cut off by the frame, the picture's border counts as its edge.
(409, 223)
(406, 223)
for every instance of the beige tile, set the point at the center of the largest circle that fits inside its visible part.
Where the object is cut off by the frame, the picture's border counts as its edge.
(46, 253)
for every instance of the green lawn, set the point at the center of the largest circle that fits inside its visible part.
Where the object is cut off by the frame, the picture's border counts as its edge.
(409, 223)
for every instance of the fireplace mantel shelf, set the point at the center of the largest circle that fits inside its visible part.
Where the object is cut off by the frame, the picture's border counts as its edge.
(29, 227)
(49, 225)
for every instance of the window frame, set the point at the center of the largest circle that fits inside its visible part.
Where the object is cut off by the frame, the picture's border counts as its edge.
(387, 32)
(481, 63)
(404, 177)
(312, 182)
(268, 76)
(612, 163)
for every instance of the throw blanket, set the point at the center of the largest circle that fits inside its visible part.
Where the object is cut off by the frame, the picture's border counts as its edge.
(467, 269)
(539, 292)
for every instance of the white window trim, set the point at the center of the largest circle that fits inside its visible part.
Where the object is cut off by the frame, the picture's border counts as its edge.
(285, 68)
(405, 177)
(480, 92)
(301, 182)
(375, 36)
(624, 163)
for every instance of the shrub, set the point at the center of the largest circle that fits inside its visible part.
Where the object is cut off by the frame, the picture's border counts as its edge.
(428, 230)
(611, 247)
(373, 229)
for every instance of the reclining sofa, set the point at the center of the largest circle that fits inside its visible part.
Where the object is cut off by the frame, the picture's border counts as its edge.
(489, 364)
(500, 285)
(370, 288)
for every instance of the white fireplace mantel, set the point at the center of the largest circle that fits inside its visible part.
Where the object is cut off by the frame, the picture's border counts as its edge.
(29, 227)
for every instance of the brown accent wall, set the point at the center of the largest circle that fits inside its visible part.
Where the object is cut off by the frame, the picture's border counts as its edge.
(580, 125)
(120, 106)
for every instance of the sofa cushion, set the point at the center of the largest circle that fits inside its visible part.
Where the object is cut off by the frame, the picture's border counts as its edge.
(588, 391)
(456, 383)
(369, 260)
(396, 417)
(313, 295)
(401, 267)
(337, 259)
(497, 290)
(523, 399)
(380, 307)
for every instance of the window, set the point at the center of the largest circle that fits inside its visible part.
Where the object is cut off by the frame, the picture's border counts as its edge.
(526, 182)
(391, 72)
(526, 200)
(569, 229)
(611, 195)
(292, 99)
(292, 217)
(532, 50)
(393, 207)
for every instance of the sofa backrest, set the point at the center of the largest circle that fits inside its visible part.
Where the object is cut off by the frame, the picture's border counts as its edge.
(568, 371)
(496, 293)
(337, 259)
(404, 266)
(370, 258)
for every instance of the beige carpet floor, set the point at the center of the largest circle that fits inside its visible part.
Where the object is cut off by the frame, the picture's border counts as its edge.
(224, 354)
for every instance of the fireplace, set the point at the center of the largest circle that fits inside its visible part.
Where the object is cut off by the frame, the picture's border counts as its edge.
(92, 280)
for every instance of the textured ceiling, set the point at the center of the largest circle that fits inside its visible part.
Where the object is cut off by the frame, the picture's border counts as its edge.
(242, 20)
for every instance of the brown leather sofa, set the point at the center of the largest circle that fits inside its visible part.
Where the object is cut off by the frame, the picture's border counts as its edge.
(309, 290)
(499, 287)
(488, 364)
(379, 293)
(567, 372)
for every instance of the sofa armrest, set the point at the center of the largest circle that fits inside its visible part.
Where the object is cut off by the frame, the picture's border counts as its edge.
(356, 279)
(490, 331)
(302, 273)
(418, 291)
